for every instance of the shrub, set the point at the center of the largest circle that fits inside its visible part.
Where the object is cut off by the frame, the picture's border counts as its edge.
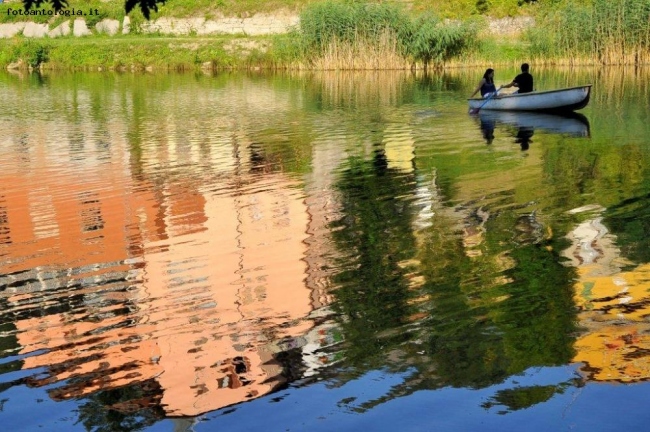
(433, 41)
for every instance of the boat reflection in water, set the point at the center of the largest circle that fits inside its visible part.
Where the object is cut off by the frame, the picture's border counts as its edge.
(526, 123)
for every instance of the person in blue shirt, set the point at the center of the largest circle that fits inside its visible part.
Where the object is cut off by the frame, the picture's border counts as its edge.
(486, 85)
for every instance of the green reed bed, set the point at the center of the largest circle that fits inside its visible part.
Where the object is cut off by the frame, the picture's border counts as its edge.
(343, 35)
(361, 54)
(603, 31)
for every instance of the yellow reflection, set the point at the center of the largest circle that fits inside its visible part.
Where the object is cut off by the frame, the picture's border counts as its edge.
(614, 308)
(399, 146)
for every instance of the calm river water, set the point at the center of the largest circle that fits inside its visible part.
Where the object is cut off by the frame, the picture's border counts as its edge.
(322, 252)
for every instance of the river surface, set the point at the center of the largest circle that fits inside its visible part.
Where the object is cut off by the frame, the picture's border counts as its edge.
(322, 252)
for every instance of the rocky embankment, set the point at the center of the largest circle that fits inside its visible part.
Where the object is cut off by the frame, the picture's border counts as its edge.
(259, 24)
(255, 25)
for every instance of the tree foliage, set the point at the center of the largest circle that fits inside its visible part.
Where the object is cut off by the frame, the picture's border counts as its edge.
(146, 6)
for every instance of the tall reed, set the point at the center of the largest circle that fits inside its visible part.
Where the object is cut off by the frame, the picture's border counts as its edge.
(605, 32)
(362, 54)
(359, 35)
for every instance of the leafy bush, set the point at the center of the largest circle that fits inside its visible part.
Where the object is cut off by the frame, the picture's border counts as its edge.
(31, 52)
(432, 41)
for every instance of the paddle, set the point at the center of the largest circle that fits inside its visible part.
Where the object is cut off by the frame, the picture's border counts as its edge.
(476, 110)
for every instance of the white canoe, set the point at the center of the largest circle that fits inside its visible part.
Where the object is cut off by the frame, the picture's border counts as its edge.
(567, 99)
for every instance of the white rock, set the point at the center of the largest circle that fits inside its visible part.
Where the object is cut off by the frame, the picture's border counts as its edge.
(16, 65)
(126, 25)
(80, 28)
(33, 30)
(176, 26)
(61, 30)
(108, 26)
(11, 29)
(222, 26)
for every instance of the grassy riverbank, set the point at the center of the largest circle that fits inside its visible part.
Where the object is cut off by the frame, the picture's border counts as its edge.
(355, 35)
(138, 53)
(331, 35)
(194, 53)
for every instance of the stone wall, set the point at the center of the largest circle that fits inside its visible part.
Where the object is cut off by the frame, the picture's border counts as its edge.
(509, 26)
(259, 24)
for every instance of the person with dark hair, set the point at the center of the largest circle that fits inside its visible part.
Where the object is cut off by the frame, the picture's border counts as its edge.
(523, 81)
(486, 85)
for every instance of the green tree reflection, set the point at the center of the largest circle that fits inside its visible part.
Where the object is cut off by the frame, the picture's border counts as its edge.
(8, 346)
(376, 237)
(630, 221)
(525, 397)
(123, 409)
(503, 312)
(486, 316)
